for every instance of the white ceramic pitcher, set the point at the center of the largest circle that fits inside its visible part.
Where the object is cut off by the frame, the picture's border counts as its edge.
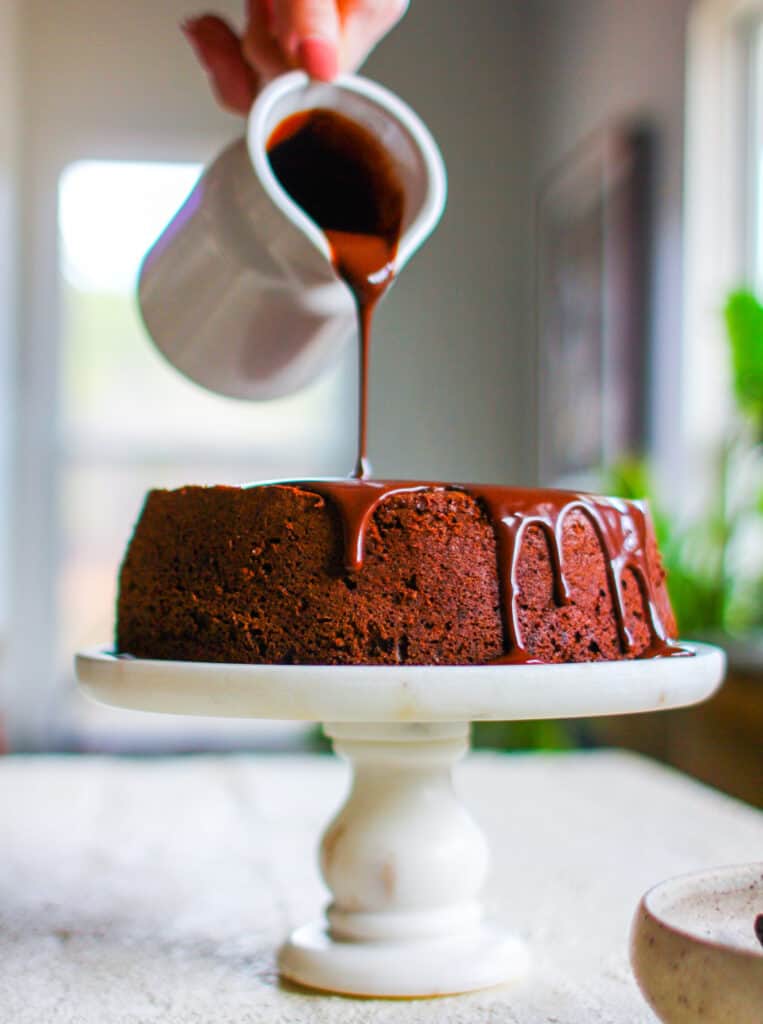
(239, 292)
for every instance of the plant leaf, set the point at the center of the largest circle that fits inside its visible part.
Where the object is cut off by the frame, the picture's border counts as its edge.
(744, 322)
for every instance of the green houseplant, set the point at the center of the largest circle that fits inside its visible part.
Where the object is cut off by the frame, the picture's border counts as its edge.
(715, 586)
(715, 570)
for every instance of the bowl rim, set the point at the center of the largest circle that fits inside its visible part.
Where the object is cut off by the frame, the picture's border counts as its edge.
(720, 872)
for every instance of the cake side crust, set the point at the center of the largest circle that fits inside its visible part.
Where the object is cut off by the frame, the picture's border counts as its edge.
(257, 575)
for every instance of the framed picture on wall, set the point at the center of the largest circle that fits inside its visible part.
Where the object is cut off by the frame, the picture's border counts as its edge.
(593, 249)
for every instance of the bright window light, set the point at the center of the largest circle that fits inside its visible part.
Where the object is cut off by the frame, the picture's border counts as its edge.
(110, 212)
(119, 395)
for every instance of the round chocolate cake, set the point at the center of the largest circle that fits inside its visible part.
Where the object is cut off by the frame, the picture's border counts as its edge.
(365, 572)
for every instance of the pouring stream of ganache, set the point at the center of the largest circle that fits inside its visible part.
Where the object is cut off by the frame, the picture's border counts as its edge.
(343, 178)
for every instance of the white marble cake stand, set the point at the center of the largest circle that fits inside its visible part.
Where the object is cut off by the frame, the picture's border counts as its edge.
(403, 858)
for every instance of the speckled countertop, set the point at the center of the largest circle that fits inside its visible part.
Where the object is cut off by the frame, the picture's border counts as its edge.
(158, 890)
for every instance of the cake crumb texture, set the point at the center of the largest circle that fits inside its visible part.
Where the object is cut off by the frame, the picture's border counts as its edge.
(257, 575)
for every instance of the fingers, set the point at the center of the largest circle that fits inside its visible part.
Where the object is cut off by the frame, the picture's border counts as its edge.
(260, 45)
(364, 24)
(308, 32)
(218, 49)
(321, 36)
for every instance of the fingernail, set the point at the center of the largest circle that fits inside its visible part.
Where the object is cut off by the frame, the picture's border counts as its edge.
(319, 58)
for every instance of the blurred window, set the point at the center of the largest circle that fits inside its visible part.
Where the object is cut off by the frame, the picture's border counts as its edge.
(129, 421)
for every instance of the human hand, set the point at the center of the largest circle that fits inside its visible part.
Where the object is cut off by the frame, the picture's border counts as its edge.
(323, 37)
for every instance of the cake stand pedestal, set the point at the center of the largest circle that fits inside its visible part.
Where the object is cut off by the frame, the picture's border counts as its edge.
(403, 859)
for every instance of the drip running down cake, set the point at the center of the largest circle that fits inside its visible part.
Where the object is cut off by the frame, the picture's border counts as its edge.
(357, 571)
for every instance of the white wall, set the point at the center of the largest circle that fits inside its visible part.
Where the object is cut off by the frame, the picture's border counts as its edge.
(595, 59)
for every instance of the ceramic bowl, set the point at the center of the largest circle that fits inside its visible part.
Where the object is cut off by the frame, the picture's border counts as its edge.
(694, 948)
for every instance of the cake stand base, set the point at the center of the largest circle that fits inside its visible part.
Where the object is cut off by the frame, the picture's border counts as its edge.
(426, 967)
(403, 859)
(405, 863)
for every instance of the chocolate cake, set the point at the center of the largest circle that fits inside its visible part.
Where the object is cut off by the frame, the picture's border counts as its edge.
(363, 572)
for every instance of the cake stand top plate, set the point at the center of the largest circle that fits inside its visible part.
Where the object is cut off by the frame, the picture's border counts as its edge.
(410, 693)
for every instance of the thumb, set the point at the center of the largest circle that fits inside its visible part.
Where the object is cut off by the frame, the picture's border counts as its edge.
(308, 31)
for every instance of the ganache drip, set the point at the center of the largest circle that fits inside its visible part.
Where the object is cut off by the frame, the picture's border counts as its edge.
(620, 527)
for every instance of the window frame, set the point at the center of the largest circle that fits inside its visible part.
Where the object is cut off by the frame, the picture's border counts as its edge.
(719, 234)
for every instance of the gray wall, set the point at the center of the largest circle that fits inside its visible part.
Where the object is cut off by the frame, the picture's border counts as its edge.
(9, 224)
(450, 361)
(591, 60)
(508, 89)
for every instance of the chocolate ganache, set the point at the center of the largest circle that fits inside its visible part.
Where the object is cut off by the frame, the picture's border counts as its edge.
(620, 527)
(391, 572)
